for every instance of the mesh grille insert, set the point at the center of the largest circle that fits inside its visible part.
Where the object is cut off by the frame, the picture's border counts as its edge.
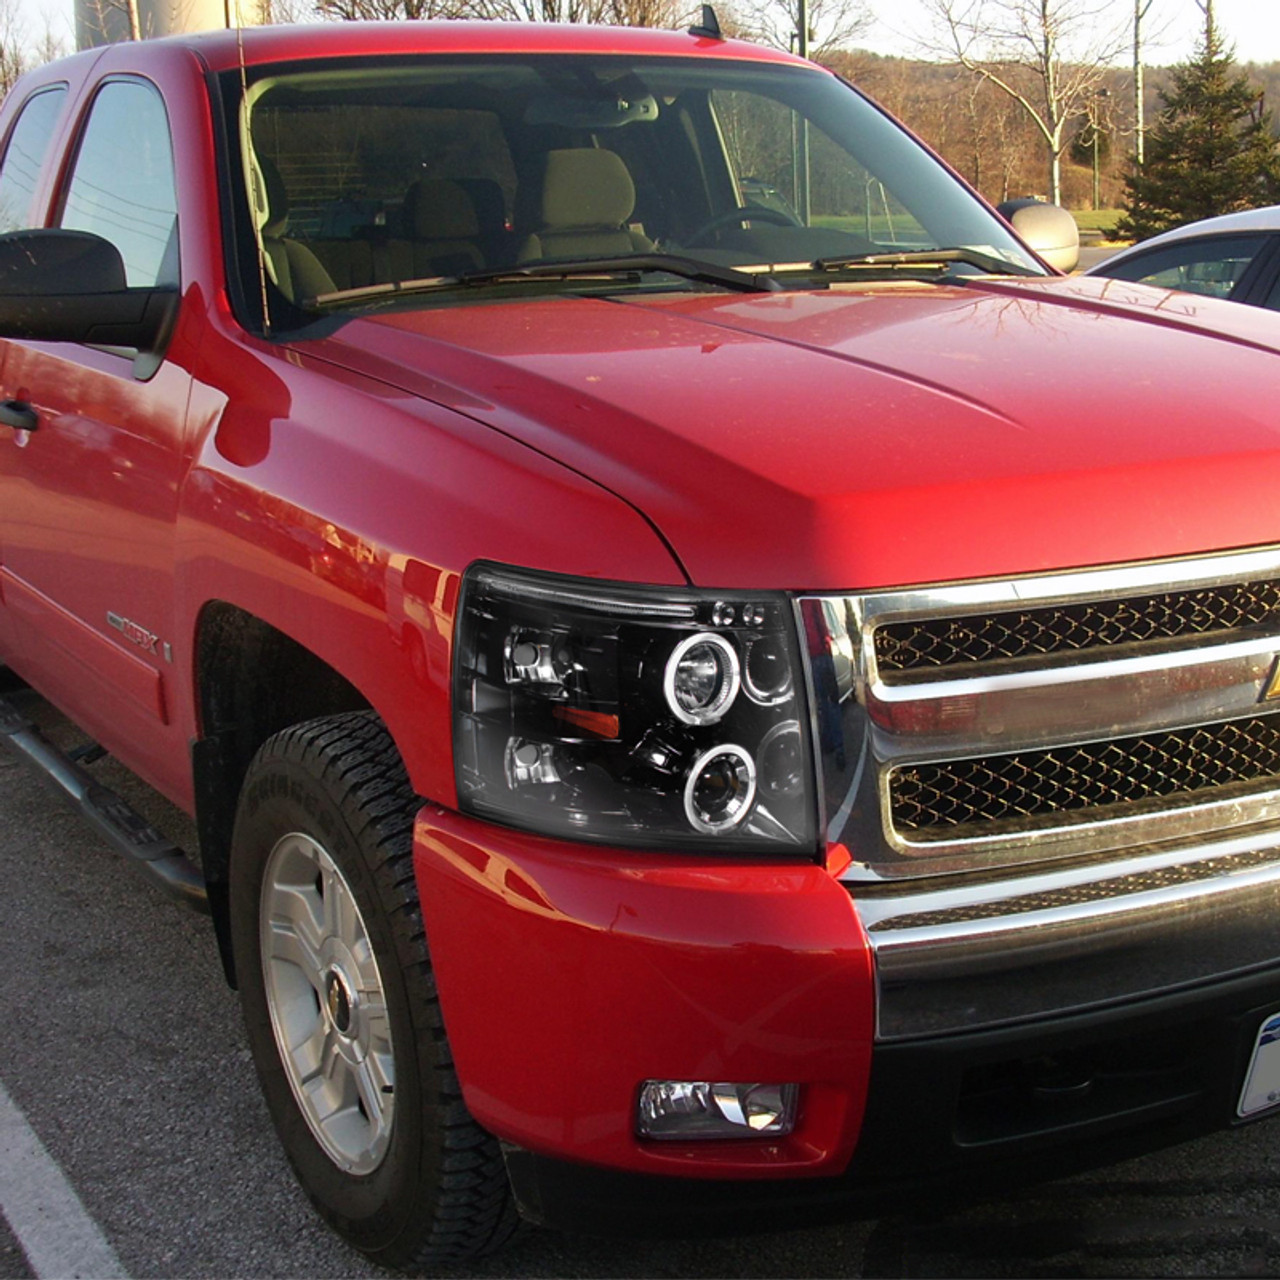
(1068, 628)
(1093, 775)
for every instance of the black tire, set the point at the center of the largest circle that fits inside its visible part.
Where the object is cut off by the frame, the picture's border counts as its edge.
(438, 1192)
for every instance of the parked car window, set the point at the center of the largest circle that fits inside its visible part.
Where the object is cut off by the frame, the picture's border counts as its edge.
(24, 157)
(1273, 298)
(1211, 266)
(122, 187)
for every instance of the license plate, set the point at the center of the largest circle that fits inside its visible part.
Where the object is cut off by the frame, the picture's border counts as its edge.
(1262, 1080)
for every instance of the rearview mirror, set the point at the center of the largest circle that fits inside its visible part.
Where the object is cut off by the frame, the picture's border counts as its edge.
(581, 112)
(1046, 228)
(70, 286)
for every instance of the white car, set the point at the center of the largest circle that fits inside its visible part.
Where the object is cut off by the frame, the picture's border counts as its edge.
(1236, 256)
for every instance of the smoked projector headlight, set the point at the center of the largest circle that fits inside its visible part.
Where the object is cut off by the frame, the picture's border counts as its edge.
(640, 716)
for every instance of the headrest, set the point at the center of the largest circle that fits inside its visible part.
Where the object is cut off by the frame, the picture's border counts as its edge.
(277, 197)
(436, 209)
(586, 187)
(489, 202)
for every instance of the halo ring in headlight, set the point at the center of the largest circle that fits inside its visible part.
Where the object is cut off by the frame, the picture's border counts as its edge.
(766, 671)
(702, 678)
(720, 789)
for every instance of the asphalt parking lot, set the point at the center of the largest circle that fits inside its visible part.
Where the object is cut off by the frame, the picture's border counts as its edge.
(123, 1050)
(1091, 255)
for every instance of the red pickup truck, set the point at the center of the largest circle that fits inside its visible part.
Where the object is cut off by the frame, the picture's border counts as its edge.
(714, 686)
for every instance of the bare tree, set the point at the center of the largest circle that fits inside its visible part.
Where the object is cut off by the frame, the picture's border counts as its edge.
(1049, 56)
(50, 46)
(998, 144)
(624, 13)
(627, 13)
(13, 55)
(270, 12)
(390, 10)
(544, 10)
(635, 13)
(108, 21)
(644, 13)
(832, 24)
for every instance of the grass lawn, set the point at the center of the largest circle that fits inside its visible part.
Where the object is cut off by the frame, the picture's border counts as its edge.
(1103, 220)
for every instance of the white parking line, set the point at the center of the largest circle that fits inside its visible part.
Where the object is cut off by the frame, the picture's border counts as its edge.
(59, 1238)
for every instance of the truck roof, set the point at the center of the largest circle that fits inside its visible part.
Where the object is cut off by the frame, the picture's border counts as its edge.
(221, 50)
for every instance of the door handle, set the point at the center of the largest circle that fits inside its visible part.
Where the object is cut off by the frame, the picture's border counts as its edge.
(19, 415)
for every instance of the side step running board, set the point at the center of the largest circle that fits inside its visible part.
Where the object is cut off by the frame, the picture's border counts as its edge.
(122, 826)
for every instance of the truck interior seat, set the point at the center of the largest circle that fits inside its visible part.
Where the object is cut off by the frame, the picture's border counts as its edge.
(297, 271)
(588, 197)
(443, 229)
(349, 261)
(496, 240)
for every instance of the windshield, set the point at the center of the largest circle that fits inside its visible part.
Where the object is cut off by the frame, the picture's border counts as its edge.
(364, 176)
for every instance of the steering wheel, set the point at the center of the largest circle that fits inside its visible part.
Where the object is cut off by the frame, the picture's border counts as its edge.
(732, 217)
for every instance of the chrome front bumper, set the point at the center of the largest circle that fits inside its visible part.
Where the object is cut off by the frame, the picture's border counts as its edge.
(1061, 941)
(995, 921)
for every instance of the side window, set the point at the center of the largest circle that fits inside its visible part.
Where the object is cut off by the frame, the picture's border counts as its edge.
(28, 144)
(1212, 266)
(790, 167)
(1273, 298)
(122, 187)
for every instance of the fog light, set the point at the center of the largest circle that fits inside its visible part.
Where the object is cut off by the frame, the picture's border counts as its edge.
(699, 1109)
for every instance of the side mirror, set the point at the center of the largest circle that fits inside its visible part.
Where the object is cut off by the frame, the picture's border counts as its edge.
(69, 286)
(1048, 229)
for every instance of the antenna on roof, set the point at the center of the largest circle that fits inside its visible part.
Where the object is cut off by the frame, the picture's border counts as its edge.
(709, 26)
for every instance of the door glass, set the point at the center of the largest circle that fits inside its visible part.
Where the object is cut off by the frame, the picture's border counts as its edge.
(1273, 298)
(1212, 266)
(122, 188)
(28, 144)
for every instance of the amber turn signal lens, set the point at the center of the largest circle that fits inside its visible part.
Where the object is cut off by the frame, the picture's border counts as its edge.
(599, 723)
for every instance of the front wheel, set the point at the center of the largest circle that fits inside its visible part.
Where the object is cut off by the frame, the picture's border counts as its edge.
(340, 1002)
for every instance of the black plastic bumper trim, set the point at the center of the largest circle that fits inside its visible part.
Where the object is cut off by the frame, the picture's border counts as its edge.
(961, 1116)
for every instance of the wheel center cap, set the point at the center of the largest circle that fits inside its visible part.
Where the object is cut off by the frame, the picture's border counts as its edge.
(338, 998)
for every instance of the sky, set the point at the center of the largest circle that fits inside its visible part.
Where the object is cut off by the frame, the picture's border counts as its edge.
(1253, 26)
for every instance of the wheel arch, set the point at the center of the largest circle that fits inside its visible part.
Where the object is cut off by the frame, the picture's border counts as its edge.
(251, 681)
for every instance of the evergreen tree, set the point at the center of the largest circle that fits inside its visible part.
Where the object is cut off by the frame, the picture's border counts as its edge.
(1212, 150)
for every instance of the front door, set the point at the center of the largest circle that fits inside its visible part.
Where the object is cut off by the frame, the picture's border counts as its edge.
(90, 496)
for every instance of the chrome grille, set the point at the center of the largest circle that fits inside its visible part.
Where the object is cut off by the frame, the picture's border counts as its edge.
(927, 644)
(1095, 776)
(1055, 791)
(1082, 715)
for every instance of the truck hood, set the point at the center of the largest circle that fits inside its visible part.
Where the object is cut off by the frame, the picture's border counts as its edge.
(876, 436)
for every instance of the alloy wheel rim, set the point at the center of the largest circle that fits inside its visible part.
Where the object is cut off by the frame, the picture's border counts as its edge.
(327, 1003)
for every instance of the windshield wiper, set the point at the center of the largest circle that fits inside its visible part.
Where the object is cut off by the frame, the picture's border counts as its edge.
(634, 265)
(673, 263)
(921, 259)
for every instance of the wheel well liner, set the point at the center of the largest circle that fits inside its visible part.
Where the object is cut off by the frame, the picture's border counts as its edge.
(252, 680)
